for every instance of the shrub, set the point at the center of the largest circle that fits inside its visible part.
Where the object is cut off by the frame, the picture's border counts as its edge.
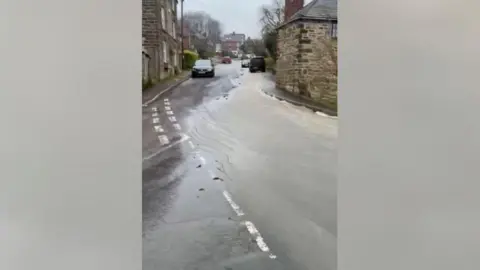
(189, 58)
(269, 63)
(147, 83)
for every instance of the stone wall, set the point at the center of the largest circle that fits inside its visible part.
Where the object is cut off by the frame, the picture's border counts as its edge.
(306, 63)
(154, 35)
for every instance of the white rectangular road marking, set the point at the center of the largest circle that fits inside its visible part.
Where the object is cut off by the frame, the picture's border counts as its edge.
(154, 109)
(177, 126)
(163, 139)
(258, 238)
(167, 103)
(184, 138)
(165, 99)
(202, 160)
(235, 207)
(156, 120)
(155, 114)
(158, 128)
(191, 144)
(172, 119)
(168, 108)
(169, 112)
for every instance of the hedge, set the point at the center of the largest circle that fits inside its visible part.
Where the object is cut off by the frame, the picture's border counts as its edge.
(190, 58)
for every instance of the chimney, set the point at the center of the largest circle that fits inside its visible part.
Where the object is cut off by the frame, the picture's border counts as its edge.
(291, 7)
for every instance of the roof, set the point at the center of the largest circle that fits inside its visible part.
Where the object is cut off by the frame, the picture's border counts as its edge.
(321, 10)
(234, 37)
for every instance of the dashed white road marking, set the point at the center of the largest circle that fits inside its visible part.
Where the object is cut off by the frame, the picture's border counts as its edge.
(191, 144)
(163, 139)
(235, 206)
(156, 120)
(167, 103)
(177, 126)
(202, 160)
(184, 138)
(154, 109)
(169, 112)
(258, 238)
(165, 99)
(158, 128)
(168, 108)
(155, 114)
(212, 175)
(172, 119)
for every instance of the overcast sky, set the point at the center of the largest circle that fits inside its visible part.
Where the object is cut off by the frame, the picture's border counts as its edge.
(241, 16)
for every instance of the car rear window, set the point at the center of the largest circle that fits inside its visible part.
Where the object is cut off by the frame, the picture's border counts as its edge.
(203, 63)
(257, 61)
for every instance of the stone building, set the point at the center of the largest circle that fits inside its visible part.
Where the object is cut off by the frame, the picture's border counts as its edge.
(161, 40)
(307, 50)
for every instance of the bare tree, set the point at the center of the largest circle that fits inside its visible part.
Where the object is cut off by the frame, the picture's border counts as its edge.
(205, 31)
(271, 16)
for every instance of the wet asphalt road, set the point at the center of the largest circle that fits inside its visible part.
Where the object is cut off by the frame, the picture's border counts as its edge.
(234, 179)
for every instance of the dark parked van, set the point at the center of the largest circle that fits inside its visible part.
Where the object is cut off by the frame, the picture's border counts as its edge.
(257, 64)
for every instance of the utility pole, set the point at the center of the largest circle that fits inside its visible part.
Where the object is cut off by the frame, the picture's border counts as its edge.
(181, 33)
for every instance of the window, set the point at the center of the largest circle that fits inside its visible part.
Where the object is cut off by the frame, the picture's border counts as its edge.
(175, 58)
(174, 32)
(163, 18)
(170, 26)
(333, 31)
(165, 54)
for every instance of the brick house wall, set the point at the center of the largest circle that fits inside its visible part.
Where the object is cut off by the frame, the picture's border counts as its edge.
(306, 61)
(160, 41)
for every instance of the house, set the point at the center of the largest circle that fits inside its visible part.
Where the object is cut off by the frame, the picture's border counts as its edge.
(307, 50)
(232, 42)
(160, 38)
(187, 39)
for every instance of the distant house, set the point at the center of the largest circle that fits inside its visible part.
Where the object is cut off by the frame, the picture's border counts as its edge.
(232, 42)
(306, 50)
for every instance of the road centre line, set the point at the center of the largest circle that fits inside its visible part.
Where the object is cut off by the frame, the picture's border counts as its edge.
(158, 128)
(258, 238)
(156, 120)
(169, 112)
(172, 119)
(235, 206)
(155, 114)
(168, 108)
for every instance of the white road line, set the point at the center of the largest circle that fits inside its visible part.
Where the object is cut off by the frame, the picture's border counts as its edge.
(258, 238)
(202, 160)
(154, 109)
(155, 114)
(184, 138)
(191, 144)
(158, 128)
(167, 103)
(172, 119)
(212, 175)
(156, 120)
(165, 99)
(177, 126)
(169, 112)
(235, 206)
(168, 108)
(163, 139)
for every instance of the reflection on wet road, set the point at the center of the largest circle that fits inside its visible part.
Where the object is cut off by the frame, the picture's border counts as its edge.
(234, 179)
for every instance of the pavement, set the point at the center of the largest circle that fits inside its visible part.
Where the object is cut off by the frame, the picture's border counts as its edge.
(273, 91)
(234, 179)
(149, 95)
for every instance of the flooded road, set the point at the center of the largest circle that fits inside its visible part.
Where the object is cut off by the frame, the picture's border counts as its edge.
(235, 179)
